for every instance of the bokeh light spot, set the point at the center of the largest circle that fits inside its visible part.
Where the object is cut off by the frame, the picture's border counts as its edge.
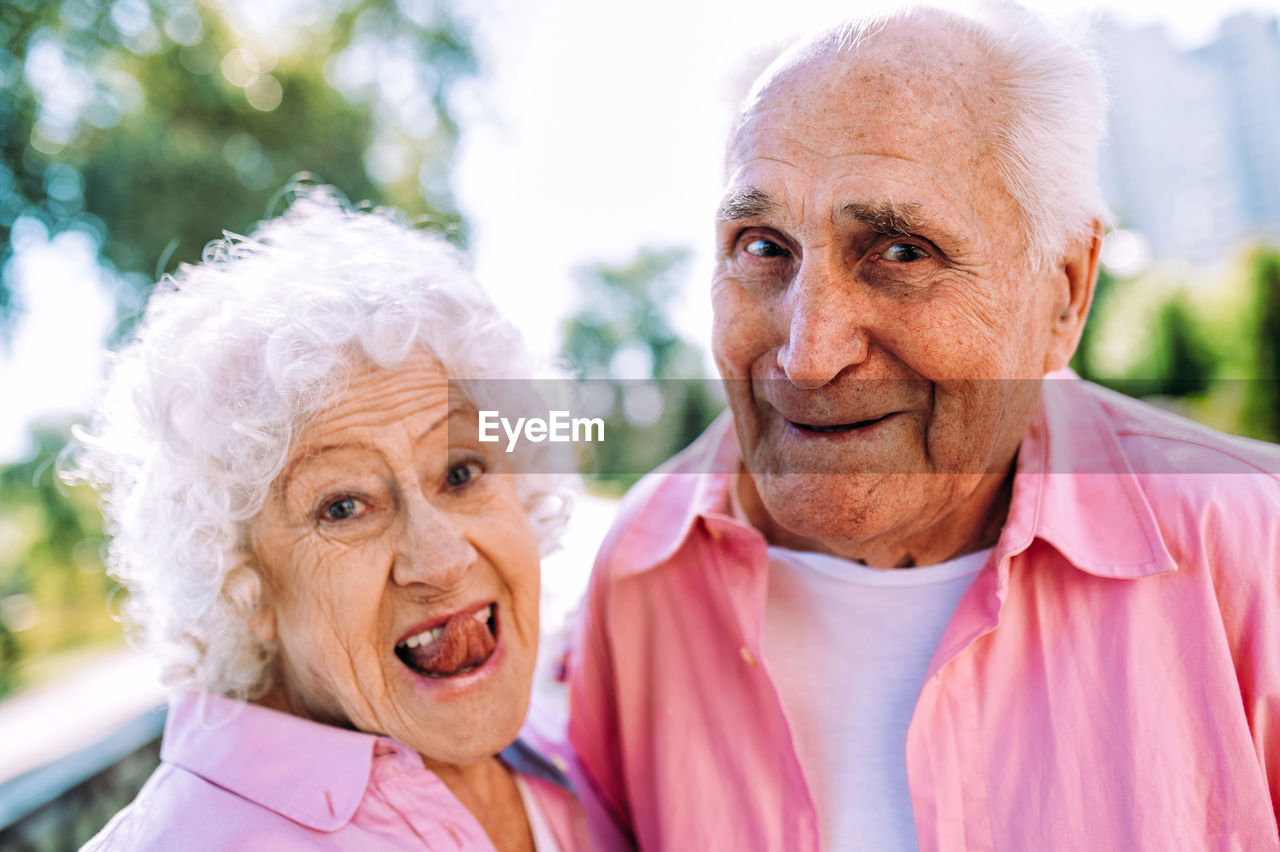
(64, 183)
(131, 17)
(199, 58)
(385, 162)
(240, 67)
(184, 26)
(1125, 253)
(254, 170)
(265, 93)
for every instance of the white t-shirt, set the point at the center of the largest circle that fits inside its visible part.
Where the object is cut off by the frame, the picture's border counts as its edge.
(848, 647)
(544, 839)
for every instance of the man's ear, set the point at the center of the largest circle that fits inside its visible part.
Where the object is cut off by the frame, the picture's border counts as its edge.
(1074, 280)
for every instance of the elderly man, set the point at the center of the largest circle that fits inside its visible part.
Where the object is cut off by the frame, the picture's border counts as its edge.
(927, 588)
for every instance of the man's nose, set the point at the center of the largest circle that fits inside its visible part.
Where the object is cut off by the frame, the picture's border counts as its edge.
(432, 549)
(826, 331)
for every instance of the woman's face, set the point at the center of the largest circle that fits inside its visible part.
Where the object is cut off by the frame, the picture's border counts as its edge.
(400, 575)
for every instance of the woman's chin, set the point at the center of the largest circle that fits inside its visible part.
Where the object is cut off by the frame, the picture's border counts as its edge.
(470, 715)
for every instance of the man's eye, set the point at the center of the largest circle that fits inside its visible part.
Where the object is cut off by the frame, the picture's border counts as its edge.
(463, 473)
(904, 253)
(342, 509)
(765, 248)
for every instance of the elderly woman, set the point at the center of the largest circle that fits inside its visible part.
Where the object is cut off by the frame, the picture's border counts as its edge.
(342, 579)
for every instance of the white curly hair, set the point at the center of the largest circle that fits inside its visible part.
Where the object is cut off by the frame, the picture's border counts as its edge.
(232, 358)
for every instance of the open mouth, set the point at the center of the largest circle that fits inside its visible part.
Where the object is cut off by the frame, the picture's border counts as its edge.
(838, 427)
(460, 644)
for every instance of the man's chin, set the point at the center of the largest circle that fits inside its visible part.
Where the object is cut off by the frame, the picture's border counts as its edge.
(826, 512)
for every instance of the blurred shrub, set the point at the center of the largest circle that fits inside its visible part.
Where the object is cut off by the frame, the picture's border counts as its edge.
(155, 124)
(1262, 403)
(1202, 342)
(624, 336)
(53, 592)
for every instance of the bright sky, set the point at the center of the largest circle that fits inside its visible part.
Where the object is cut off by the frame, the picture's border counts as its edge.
(600, 132)
(56, 357)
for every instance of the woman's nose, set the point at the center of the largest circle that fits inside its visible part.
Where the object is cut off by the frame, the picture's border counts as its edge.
(432, 550)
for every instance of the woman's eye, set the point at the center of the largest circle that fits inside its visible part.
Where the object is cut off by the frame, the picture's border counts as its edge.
(764, 248)
(342, 509)
(462, 473)
(904, 253)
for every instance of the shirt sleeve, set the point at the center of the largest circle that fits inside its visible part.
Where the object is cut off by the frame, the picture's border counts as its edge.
(593, 716)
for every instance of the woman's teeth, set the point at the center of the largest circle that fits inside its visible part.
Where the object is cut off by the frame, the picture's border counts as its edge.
(426, 637)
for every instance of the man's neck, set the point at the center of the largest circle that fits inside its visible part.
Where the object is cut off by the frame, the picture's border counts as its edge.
(975, 525)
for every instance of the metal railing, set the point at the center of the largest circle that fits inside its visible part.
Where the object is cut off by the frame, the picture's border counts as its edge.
(61, 805)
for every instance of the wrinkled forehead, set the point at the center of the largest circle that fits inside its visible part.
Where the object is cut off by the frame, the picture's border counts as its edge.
(911, 82)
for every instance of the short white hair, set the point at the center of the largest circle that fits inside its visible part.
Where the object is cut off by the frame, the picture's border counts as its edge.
(1047, 135)
(231, 359)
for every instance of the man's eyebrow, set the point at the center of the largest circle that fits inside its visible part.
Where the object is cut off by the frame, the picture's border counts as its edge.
(746, 204)
(886, 217)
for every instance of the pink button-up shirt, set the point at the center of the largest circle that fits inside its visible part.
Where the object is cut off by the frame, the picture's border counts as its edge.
(241, 777)
(1110, 681)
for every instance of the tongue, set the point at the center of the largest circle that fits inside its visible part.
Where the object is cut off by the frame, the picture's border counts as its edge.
(464, 643)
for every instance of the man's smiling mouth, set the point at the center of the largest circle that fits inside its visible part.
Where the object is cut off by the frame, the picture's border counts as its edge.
(456, 646)
(839, 427)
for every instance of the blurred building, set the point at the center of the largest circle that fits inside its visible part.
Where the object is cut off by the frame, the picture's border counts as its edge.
(1192, 158)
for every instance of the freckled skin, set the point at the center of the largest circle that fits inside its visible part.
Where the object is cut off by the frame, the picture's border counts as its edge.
(344, 581)
(820, 319)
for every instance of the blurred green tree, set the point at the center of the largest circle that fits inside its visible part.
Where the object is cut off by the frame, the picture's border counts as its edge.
(1185, 365)
(52, 590)
(152, 126)
(1176, 362)
(156, 124)
(1262, 398)
(623, 336)
(626, 312)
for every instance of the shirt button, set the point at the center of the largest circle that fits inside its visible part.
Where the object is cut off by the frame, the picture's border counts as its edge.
(748, 657)
(559, 763)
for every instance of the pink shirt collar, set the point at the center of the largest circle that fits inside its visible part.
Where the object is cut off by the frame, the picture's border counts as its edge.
(314, 774)
(1128, 547)
(1084, 443)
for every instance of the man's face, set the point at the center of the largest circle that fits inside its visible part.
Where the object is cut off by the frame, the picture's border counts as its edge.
(875, 314)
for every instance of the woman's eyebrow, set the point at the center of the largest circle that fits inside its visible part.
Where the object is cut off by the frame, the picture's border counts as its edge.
(453, 411)
(296, 463)
(291, 469)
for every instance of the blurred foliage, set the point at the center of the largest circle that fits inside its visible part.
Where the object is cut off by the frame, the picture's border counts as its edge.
(623, 335)
(1185, 363)
(1262, 401)
(156, 124)
(152, 126)
(1202, 343)
(53, 592)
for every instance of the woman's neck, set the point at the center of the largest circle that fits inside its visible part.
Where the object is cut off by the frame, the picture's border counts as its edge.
(488, 790)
